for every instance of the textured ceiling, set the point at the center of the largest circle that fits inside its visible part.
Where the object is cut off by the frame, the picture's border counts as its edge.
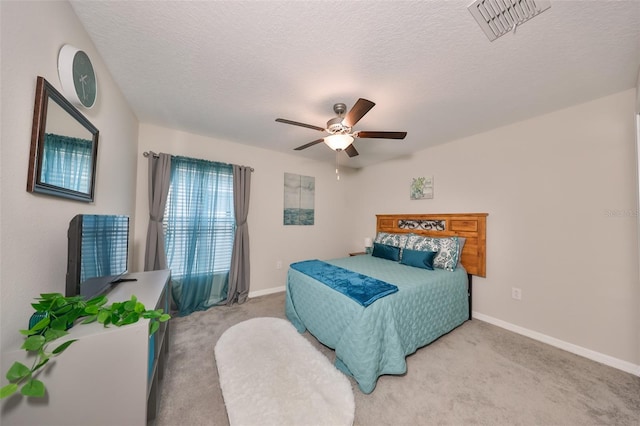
(228, 69)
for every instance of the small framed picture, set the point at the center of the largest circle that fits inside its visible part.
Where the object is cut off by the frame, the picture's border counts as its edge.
(422, 188)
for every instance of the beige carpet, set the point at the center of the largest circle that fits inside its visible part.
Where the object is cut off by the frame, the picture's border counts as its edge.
(478, 374)
(272, 376)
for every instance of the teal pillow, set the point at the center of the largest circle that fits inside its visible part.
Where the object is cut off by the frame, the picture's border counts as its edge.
(384, 251)
(419, 259)
(392, 239)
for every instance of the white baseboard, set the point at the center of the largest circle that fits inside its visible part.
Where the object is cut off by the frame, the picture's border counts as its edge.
(569, 347)
(267, 291)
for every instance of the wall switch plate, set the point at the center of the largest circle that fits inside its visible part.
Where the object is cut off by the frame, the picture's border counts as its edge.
(279, 264)
(516, 293)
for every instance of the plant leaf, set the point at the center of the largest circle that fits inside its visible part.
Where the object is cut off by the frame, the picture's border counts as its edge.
(59, 323)
(42, 305)
(92, 309)
(63, 309)
(153, 327)
(48, 296)
(60, 301)
(103, 315)
(51, 334)
(41, 324)
(63, 346)
(164, 317)
(8, 390)
(130, 305)
(34, 388)
(43, 361)
(39, 307)
(151, 314)
(33, 343)
(75, 314)
(18, 371)
(130, 318)
(140, 308)
(90, 319)
(97, 301)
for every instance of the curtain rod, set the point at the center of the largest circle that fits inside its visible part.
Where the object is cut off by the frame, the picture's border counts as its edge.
(148, 153)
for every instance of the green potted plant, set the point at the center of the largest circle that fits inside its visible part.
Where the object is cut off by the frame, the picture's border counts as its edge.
(54, 315)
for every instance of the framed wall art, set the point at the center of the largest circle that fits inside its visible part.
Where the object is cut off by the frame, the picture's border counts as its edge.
(422, 188)
(299, 195)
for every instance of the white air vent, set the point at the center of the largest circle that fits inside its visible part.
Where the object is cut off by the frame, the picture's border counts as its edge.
(498, 17)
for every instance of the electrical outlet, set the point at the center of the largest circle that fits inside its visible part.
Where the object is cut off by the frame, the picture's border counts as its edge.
(279, 264)
(516, 293)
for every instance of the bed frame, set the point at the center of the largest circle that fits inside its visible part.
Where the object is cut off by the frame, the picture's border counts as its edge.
(472, 226)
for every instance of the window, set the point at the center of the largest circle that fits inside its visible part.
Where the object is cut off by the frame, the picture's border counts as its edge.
(199, 218)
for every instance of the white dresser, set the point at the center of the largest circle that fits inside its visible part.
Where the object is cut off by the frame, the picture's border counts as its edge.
(110, 376)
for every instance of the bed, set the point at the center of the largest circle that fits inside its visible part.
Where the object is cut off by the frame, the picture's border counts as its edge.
(373, 340)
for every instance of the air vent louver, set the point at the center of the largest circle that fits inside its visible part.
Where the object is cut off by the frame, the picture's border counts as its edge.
(498, 17)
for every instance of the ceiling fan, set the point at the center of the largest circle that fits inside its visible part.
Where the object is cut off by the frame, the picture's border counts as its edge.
(340, 128)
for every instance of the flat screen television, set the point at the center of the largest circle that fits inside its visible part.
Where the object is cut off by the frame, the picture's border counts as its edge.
(98, 253)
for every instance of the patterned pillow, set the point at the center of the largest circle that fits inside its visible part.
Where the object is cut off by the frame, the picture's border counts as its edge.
(447, 248)
(391, 239)
(420, 243)
(447, 257)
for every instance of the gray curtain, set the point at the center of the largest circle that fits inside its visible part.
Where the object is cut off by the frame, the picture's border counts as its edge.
(240, 270)
(159, 177)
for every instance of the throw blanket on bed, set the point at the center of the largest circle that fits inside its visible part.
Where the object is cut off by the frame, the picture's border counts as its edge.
(361, 288)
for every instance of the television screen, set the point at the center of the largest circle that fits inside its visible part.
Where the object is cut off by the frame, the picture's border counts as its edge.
(98, 253)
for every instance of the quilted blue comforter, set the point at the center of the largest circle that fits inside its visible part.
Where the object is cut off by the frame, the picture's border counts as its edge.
(374, 340)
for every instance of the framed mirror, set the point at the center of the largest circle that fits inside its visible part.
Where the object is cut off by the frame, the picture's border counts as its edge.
(64, 147)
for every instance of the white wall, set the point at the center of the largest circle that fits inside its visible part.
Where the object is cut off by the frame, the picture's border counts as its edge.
(561, 195)
(270, 240)
(33, 228)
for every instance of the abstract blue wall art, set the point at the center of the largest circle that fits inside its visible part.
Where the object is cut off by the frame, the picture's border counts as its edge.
(299, 195)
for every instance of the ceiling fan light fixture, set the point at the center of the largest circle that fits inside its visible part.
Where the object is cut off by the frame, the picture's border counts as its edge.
(338, 142)
(339, 128)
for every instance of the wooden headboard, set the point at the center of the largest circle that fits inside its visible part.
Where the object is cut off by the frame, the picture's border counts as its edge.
(472, 226)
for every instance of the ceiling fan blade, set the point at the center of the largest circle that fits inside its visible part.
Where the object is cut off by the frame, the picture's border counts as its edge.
(358, 111)
(307, 145)
(295, 123)
(380, 135)
(351, 151)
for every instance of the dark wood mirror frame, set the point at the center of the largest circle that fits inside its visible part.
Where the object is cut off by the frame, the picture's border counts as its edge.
(46, 93)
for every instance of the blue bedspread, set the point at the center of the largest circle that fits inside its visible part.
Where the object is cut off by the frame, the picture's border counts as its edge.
(361, 288)
(375, 340)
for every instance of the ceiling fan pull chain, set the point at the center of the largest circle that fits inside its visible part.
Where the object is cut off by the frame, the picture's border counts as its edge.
(337, 168)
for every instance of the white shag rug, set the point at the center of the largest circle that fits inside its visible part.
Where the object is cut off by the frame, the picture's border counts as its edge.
(271, 375)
